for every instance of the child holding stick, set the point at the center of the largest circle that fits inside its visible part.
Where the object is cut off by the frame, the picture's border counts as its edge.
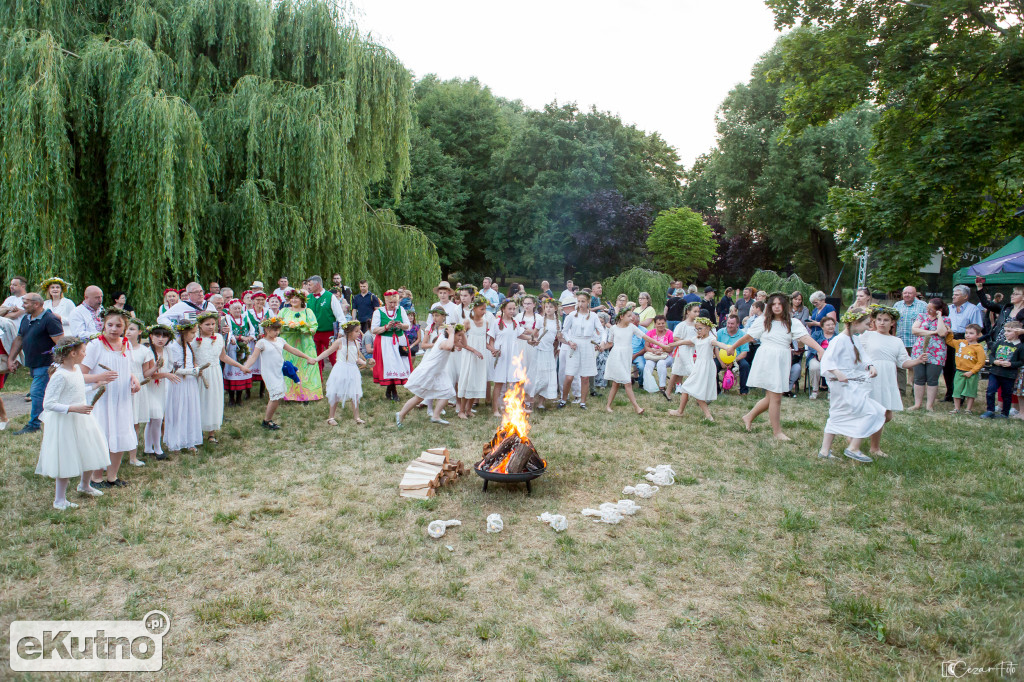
(431, 380)
(702, 383)
(472, 372)
(210, 351)
(272, 348)
(73, 444)
(542, 377)
(159, 336)
(183, 423)
(143, 366)
(344, 383)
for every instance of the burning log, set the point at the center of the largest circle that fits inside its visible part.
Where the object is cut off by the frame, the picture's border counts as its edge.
(510, 451)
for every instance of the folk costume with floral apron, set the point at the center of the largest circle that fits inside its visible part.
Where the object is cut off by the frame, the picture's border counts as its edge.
(390, 368)
(238, 350)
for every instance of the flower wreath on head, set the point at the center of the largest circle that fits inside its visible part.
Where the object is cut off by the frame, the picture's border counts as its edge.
(170, 289)
(66, 343)
(348, 326)
(114, 310)
(545, 301)
(207, 315)
(138, 323)
(295, 293)
(704, 321)
(878, 309)
(459, 328)
(854, 315)
(625, 310)
(65, 286)
(437, 310)
(185, 324)
(479, 299)
(159, 328)
(473, 291)
(271, 322)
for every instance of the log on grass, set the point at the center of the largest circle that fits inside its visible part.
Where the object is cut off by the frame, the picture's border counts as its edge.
(418, 494)
(431, 458)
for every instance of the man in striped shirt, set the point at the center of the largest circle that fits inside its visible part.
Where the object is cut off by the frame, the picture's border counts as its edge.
(909, 308)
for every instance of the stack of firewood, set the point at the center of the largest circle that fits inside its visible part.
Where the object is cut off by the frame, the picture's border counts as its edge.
(428, 472)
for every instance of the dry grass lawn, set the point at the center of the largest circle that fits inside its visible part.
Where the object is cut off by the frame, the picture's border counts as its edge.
(290, 555)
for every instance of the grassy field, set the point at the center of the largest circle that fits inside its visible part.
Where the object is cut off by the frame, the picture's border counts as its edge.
(290, 555)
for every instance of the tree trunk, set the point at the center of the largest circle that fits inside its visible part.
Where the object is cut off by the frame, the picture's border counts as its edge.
(826, 256)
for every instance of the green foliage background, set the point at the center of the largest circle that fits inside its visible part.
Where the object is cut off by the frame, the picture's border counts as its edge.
(637, 279)
(151, 141)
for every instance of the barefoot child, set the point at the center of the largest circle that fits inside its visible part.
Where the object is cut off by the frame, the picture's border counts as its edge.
(431, 380)
(183, 424)
(73, 444)
(210, 351)
(682, 365)
(619, 368)
(702, 383)
(344, 383)
(970, 359)
(847, 368)
(114, 411)
(472, 370)
(542, 377)
(272, 348)
(143, 366)
(159, 336)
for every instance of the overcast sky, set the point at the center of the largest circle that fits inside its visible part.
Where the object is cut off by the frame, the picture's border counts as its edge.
(663, 65)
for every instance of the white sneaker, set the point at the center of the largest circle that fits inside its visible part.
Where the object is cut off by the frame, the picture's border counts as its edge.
(439, 421)
(90, 491)
(398, 419)
(138, 463)
(64, 505)
(1013, 413)
(3, 425)
(814, 396)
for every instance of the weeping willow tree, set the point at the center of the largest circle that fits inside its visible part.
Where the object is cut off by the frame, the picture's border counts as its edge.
(147, 142)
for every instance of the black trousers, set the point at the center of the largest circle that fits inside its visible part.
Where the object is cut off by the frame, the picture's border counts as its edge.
(995, 383)
(949, 369)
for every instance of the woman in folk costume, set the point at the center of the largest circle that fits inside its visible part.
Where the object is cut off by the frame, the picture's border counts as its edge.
(114, 410)
(171, 298)
(473, 363)
(542, 377)
(256, 315)
(388, 326)
(776, 330)
(848, 369)
(299, 327)
(241, 342)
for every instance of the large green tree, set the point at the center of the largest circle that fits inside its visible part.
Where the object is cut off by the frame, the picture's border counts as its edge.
(149, 141)
(681, 243)
(556, 159)
(776, 183)
(948, 76)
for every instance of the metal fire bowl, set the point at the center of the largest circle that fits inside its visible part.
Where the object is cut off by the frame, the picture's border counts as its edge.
(524, 477)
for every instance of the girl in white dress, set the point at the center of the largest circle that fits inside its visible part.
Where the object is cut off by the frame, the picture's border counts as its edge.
(256, 315)
(503, 336)
(430, 380)
(529, 322)
(143, 365)
(682, 365)
(241, 340)
(619, 369)
(472, 364)
(344, 382)
(73, 444)
(776, 330)
(542, 378)
(159, 337)
(847, 368)
(702, 382)
(114, 410)
(55, 292)
(271, 347)
(890, 356)
(183, 423)
(210, 351)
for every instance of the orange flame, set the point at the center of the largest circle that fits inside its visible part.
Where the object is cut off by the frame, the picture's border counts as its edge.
(514, 421)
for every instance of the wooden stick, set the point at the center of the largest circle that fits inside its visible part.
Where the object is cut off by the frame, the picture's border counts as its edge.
(96, 396)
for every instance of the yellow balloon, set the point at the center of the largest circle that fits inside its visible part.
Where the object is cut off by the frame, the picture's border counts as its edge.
(725, 357)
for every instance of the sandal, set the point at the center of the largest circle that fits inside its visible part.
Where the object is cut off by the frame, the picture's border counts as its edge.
(332, 421)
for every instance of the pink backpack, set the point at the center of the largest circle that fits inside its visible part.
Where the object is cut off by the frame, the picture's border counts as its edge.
(728, 380)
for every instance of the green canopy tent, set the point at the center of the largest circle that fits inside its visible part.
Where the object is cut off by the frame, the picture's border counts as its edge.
(1015, 245)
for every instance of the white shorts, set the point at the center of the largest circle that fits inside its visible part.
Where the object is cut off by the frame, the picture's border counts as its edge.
(583, 361)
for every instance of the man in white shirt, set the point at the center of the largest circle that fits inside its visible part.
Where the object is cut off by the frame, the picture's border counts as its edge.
(282, 287)
(568, 296)
(84, 320)
(581, 331)
(13, 307)
(444, 299)
(191, 304)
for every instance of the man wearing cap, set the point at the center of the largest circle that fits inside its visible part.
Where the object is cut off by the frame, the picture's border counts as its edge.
(329, 317)
(443, 291)
(256, 285)
(192, 303)
(707, 306)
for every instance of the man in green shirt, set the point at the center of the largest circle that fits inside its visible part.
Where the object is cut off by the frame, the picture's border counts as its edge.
(329, 316)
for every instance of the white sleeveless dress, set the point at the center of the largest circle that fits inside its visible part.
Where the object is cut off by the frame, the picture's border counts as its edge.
(183, 425)
(702, 383)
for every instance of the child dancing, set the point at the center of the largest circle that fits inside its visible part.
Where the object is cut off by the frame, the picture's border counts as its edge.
(271, 347)
(344, 382)
(618, 371)
(73, 444)
(847, 369)
(702, 382)
(431, 380)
